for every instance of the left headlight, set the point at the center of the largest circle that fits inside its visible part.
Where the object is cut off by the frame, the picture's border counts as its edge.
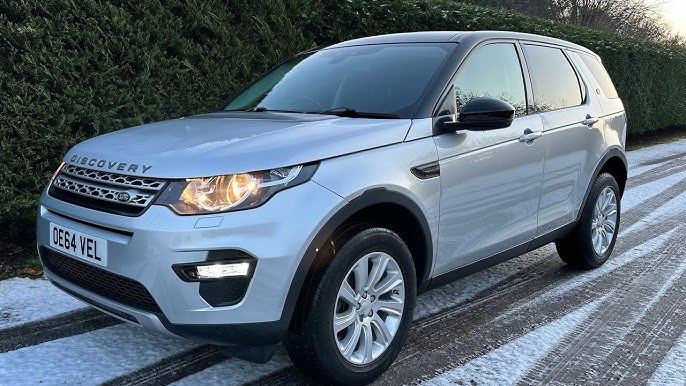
(232, 191)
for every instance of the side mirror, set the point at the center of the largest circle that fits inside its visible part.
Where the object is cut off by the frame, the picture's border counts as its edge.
(481, 114)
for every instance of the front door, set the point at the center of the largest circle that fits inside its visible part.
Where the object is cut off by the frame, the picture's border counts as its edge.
(490, 180)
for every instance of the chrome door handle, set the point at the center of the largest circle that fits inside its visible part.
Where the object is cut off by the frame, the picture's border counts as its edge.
(530, 136)
(589, 121)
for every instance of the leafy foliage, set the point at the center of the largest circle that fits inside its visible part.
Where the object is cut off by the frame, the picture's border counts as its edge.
(70, 70)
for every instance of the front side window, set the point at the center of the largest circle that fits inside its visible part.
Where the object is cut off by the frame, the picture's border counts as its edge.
(555, 83)
(383, 78)
(493, 71)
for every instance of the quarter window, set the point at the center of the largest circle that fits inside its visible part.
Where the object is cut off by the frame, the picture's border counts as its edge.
(555, 83)
(493, 71)
(600, 74)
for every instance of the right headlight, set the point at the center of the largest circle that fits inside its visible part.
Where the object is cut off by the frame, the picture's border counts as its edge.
(231, 192)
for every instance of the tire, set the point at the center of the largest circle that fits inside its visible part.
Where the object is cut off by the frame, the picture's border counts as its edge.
(580, 249)
(313, 346)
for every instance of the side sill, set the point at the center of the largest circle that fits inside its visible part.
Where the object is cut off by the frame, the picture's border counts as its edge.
(501, 257)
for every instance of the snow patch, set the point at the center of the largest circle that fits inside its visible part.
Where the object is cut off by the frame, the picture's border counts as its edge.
(509, 363)
(27, 300)
(648, 154)
(671, 370)
(634, 172)
(90, 358)
(673, 207)
(639, 251)
(645, 192)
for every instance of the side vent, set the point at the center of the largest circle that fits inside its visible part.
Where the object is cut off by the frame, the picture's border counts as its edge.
(426, 171)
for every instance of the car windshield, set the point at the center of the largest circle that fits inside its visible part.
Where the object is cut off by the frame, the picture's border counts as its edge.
(384, 79)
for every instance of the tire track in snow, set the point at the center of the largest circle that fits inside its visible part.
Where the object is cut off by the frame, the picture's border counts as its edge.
(60, 326)
(488, 369)
(677, 165)
(172, 368)
(655, 334)
(581, 357)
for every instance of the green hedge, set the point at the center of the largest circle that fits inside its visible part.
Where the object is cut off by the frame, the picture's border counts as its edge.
(70, 70)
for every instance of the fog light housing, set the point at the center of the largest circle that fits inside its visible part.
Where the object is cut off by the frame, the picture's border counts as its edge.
(215, 269)
(219, 271)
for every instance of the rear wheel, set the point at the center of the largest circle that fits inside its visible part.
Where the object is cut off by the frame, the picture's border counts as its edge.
(360, 313)
(592, 241)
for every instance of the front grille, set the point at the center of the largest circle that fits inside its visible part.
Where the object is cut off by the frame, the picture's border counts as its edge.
(99, 281)
(101, 190)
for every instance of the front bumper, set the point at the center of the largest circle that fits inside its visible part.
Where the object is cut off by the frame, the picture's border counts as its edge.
(144, 249)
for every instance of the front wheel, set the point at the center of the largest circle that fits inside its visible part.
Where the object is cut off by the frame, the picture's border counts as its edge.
(360, 313)
(592, 241)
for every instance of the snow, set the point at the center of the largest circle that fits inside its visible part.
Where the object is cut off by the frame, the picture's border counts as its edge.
(90, 358)
(645, 192)
(232, 372)
(25, 300)
(671, 370)
(650, 154)
(509, 363)
(611, 265)
(676, 205)
(633, 172)
(465, 289)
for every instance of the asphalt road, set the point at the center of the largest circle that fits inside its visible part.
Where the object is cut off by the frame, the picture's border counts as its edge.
(528, 321)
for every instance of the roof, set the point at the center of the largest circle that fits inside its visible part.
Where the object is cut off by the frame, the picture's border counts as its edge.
(455, 36)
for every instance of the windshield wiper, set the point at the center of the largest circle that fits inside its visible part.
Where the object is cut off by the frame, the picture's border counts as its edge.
(354, 113)
(261, 109)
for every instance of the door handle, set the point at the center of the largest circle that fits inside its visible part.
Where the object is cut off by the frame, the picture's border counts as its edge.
(530, 136)
(589, 121)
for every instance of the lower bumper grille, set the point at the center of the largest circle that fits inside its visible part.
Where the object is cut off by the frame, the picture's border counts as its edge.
(99, 281)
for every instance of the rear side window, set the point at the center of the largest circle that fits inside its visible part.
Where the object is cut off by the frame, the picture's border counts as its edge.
(555, 83)
(493, 71)
(601, 75)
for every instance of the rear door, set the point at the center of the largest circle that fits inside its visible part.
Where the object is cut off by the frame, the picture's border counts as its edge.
(573, 132)
(490, 180)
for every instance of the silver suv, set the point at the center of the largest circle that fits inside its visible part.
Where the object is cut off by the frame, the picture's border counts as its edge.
(314, 205)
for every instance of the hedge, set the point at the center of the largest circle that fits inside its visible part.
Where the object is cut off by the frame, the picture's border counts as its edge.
(73, 69)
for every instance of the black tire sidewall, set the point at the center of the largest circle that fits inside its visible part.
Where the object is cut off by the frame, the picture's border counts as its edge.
(320, 320)
(593, 259)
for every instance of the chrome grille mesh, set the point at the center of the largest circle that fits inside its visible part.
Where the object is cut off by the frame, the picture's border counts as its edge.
(113, 179)
(107, 187)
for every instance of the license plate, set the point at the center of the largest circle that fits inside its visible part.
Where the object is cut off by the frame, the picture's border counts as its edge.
(77, 244)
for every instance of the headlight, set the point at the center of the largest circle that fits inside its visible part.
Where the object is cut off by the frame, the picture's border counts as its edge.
(232, 191)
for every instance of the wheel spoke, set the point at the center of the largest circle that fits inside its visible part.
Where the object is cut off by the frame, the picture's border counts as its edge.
(609, 227)
(390, 307)
(378, 270)
(343, 321)
(350, 341)
(392, 280)
(367, 343)
(361, 271)
(597, 240)
(347, 293)
(383, 334)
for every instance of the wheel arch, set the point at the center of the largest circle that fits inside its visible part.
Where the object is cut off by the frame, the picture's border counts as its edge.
(376, 207)
(613, 162)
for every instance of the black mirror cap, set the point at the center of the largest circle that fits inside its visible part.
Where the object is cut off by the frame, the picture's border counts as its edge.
(481, 114)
